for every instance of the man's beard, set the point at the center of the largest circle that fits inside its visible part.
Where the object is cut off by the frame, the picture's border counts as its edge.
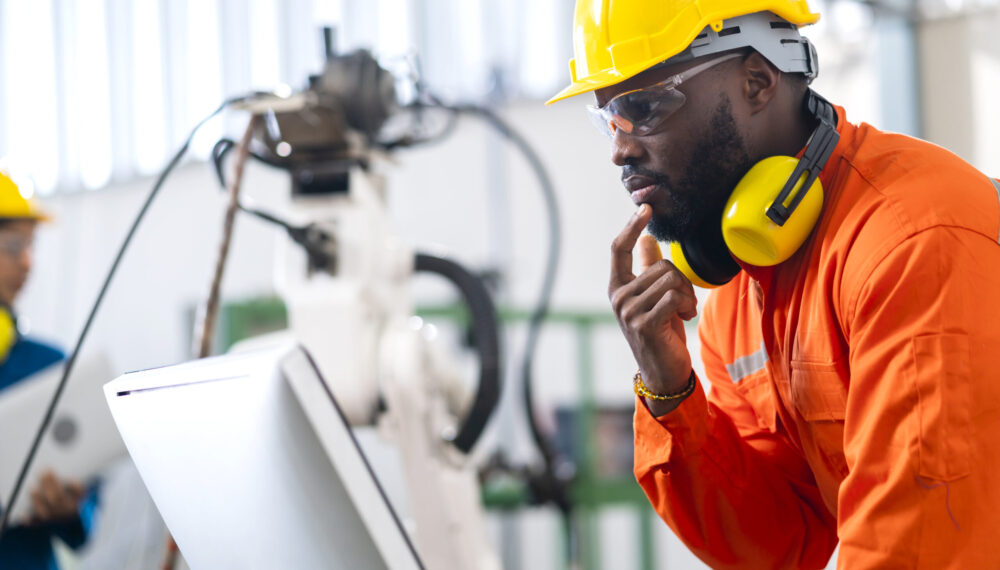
(718, 163)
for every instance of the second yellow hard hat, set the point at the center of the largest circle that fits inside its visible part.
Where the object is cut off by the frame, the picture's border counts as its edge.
(15, 205)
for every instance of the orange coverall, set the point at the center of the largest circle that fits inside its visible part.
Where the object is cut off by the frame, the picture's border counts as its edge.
(855, 388)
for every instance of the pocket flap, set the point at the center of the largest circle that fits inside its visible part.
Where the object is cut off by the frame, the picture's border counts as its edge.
(941, 374)
(819, 389)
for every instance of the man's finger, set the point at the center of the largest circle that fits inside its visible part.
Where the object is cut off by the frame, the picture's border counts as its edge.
(39, 505)
(621, 247)
(677, 302)
(51, 489)
(660, 278)
(649, 252)
(655, 283)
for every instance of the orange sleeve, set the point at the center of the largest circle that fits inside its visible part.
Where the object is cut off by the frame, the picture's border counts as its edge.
(923, 412)
(735, 492)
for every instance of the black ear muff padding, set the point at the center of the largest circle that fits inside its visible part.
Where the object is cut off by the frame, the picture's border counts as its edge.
(708, 256)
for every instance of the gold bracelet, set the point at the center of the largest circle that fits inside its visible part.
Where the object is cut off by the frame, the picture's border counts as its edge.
(643, 391)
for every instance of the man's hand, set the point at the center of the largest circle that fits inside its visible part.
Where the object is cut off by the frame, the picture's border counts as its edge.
(651, 309)
(55, 501)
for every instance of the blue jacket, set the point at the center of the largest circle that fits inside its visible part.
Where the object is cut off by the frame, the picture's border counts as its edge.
(30, 547)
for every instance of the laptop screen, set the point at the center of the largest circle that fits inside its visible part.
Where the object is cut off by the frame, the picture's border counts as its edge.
(251, 464)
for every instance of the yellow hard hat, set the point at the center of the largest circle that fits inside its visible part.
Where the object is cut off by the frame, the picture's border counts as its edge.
(14, 204)
(615, 40)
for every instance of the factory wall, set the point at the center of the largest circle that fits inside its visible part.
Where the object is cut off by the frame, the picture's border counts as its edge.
(960, 79)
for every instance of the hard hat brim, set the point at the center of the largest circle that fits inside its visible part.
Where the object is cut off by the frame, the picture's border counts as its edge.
(35, 216)
(592, 83)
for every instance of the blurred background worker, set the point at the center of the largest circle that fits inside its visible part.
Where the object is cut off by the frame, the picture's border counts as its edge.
(60, 509)
(851, 353)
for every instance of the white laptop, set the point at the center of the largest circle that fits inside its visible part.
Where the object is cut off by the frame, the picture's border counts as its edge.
(81, 440)
(252, 465)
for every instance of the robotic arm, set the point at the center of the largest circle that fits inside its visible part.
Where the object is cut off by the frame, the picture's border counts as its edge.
(348, 299)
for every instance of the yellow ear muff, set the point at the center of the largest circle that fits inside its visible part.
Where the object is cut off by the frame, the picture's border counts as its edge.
(769, 214)
(681, 262)
(753, 237)
(8, 333)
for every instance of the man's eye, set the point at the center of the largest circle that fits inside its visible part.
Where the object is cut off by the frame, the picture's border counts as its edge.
(638, 109)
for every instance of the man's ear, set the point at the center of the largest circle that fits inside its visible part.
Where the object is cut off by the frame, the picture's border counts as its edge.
(760, 82)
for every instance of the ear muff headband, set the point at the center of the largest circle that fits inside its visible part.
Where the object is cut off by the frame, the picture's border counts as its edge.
(819, 147)
(758, 226)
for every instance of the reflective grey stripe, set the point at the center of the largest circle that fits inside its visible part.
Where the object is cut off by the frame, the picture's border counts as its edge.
(997, 186)
(747, 365)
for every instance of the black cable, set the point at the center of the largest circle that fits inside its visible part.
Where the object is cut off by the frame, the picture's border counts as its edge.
(545, 294)
(222, 148)
(219, 152)
(4, 521)
(409, 141)
(313, 238)
(548, 281)
(485, 335)
(553, 483)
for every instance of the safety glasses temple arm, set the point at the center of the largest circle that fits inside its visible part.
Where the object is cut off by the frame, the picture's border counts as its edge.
(689, 73)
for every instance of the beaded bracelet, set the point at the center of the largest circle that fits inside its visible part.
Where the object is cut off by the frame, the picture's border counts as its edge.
(643, 391)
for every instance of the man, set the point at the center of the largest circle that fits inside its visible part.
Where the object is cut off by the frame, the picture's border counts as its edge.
(59, 508)
(855, 385)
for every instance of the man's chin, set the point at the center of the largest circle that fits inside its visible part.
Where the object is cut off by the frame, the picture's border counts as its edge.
(7, 298)
(666, 229)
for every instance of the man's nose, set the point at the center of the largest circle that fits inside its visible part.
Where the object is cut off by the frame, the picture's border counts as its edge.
(25, 258)
(625, 148)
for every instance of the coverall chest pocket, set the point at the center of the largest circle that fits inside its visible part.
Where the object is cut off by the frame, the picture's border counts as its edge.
(757, 390)
(819, 394)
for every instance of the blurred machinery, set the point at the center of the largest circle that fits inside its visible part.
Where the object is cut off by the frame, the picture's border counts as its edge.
(348, 300)
(347, 294)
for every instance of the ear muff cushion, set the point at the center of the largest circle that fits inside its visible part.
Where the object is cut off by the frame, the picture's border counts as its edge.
(753, 237)
(704, 259)
(680, 261)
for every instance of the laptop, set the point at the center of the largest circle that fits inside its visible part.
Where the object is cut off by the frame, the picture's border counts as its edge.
(251, 463)
(81, 441)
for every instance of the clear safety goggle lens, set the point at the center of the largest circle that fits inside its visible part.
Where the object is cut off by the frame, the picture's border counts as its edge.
(641, 111)
(637, 112)
(15, 246)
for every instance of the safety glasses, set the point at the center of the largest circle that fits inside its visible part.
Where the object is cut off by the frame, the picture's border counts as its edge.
(14, 246)
(641, 111)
